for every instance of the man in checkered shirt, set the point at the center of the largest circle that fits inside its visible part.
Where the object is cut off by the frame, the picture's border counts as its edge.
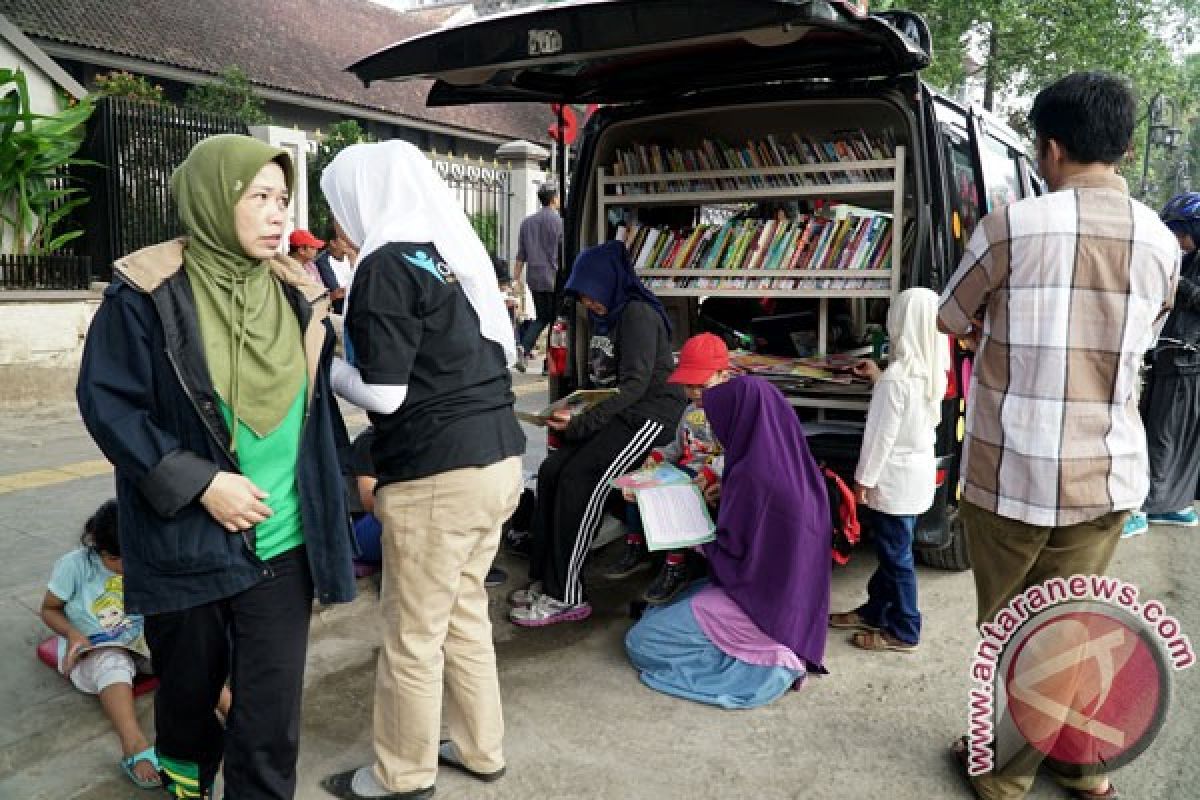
(1063, 294)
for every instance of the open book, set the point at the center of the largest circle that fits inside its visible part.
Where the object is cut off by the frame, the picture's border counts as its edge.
(577, 402)
(662, 475)
(675, 516)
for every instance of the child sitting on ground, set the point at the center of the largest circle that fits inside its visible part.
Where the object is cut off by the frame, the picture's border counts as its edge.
(896, 470)
(703, 363)
(100, 647)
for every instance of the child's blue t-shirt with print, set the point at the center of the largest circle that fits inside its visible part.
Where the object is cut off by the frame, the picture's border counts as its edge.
(95, 601)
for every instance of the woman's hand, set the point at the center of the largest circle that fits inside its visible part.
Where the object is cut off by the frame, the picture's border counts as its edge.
(559, 420)
(710, 490)
(866, 369)
(76, 641)
(234, 501)
(860, 493)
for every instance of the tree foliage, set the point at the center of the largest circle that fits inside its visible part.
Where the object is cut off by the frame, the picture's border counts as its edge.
(119, 83)
(231, 95)
(1018, 46)
(340, 136)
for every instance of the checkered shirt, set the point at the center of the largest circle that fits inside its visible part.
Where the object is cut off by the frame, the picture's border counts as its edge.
(1073, 288)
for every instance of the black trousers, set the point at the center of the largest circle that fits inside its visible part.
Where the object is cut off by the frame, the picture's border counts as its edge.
(257, 640)
(1171, 413)
(572, 486)
(543, 305)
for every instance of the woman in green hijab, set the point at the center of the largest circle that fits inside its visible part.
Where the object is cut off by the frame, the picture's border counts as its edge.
(205, 383)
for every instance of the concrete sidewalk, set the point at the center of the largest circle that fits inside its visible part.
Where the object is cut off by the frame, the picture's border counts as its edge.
(579, 724)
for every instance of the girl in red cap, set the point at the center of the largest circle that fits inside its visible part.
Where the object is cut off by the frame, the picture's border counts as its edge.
(703, 363)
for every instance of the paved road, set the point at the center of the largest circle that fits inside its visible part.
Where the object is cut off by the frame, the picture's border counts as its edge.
(579, 723)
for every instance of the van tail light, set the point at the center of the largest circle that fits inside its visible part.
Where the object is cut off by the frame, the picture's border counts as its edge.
(556, 348)
(951, 376)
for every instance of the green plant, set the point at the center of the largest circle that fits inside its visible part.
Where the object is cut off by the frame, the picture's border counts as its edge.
(119, 83)
(36, 195)
(486, 224)
(231, 95)
(341, 135)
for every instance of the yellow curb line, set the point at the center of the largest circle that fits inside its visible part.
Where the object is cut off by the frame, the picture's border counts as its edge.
(39, 478)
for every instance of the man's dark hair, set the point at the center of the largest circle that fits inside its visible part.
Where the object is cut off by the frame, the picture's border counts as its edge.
(546, 194)
(1090, 114)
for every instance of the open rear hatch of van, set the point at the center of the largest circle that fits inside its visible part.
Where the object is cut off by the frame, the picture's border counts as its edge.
(623, 51)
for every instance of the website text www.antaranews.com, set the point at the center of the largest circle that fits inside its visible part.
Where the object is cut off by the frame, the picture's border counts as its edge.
(995, 636)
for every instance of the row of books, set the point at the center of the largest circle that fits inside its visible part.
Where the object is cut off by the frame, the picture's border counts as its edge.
(775, 150)
(840, 237)
(769, 284)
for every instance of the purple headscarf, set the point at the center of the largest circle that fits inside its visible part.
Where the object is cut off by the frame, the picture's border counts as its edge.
(771, 554)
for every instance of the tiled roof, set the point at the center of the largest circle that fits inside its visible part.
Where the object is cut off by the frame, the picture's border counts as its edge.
(300, 46)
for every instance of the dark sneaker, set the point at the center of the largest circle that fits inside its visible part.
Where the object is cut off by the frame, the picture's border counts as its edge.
(634, 559)
(671, 578)
(495, 577)
(519, 543)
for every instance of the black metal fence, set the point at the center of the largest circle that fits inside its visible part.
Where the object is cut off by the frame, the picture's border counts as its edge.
(138, 146)
(483, 190)
(45, 272)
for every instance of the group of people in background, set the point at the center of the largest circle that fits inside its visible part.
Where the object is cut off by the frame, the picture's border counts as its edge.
(210, 380)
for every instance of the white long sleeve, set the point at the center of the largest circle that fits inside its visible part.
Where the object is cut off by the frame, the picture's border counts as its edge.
(897, 464)
(347, 382)
(883, 425)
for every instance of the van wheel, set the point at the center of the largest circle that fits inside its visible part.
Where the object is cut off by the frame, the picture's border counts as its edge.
(953, 556)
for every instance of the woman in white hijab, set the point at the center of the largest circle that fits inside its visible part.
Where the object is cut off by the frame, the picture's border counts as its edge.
(896, 475)
(428, 344)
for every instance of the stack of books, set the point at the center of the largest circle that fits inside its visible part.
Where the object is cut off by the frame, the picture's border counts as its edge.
(843, 237)
(782, 150)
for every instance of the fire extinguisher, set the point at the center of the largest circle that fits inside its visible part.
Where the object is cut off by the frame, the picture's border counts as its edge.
(556, 348)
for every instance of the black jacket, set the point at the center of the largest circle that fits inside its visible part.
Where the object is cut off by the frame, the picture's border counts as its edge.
(1183, 324)
(329, 278)
(147, 399)
(642, 350)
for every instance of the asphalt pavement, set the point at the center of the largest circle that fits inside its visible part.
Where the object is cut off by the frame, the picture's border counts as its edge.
(579, 723)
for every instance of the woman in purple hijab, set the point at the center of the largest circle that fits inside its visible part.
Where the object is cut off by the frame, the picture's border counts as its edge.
(760, 626)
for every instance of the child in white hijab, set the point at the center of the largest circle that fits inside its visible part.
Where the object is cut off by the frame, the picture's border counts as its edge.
(896, 470)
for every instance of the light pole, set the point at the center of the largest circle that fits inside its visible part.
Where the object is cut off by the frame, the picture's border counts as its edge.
(1161, 131)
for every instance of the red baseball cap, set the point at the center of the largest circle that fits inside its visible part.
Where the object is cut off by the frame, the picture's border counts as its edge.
(699, 358)
(302, 238)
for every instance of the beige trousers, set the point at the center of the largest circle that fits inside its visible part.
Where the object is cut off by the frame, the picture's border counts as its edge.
(1009, 557)
(440, 535)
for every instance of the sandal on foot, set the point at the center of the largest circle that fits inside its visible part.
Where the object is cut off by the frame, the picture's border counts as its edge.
(850, 620)
(128, 764)
(1085, 794)
(878, 640)
(960, 751)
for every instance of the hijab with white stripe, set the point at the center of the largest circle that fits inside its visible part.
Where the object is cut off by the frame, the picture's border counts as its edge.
(917, 350)
(389, 192)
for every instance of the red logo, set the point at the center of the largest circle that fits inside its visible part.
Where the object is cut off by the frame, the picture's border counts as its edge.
(1087, 686)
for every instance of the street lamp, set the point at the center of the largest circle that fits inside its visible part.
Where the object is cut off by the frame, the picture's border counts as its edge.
(1161, 131)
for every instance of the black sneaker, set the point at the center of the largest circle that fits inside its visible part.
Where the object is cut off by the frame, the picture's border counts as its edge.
(495, 577)
(519, 543)
(671, 578)
(634, 559)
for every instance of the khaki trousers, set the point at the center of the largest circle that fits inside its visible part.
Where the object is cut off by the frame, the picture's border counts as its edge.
(440, 535)
(1008, 557)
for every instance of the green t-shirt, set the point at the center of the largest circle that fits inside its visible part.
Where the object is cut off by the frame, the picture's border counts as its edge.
(270, 462)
